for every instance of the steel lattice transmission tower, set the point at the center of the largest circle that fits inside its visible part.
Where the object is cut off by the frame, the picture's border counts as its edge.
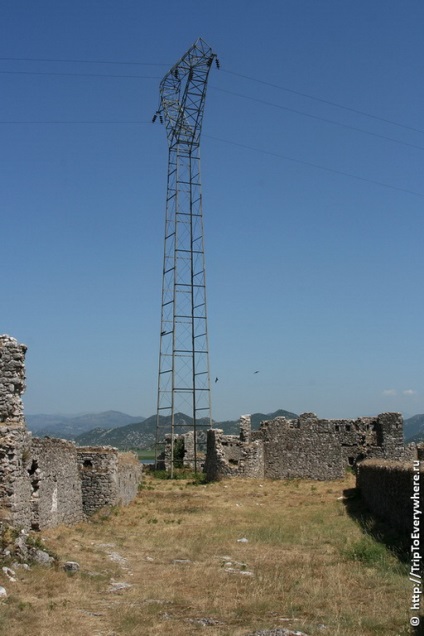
(183, 378)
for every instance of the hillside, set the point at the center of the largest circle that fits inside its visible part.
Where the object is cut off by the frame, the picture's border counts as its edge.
(413, 429)
(142, 434)
(70, 426)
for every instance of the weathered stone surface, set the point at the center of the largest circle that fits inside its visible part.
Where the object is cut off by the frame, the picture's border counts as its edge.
(305, 447)
(108, 478)
(15, 487)
(42, 557)
(11, 575)
(387, 487)
(46, 482)
(71, 566)
(12, 380)
(245, 428)
(56, 495)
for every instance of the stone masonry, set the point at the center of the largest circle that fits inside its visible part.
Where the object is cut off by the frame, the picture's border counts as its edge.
(46, 482)
(12, 380)
(56, 495)
(108, 478)
(393, 491)
(305, 447)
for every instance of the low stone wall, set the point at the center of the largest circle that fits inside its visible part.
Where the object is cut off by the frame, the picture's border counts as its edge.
(388, 488)
(45, 482)
(108, 478)
(55, 483)
(229, 456)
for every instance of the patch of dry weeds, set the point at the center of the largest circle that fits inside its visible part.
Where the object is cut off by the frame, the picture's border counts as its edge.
(176, 548)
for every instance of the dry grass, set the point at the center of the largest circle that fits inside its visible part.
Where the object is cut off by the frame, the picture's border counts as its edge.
(312, 567)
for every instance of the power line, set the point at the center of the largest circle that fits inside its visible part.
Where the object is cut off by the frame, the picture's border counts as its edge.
(245, 146)
(324, 119)
(315, 165)
(59, 121)
(324, 101)
(49, 59)
(247, 77)
(107, 75)
(233, 143)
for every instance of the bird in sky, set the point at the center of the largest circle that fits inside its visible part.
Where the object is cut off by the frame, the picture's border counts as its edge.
(255, 372)
(216, 380)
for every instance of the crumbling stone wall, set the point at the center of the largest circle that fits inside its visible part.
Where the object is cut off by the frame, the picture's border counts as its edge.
(41, 483)
(130, 472)
(387, 488)
(55, 483)
(305, 447)
(229, 456)
(184, 450)
(15, 488)
(12, 380)
(15, 440)
(108, 478)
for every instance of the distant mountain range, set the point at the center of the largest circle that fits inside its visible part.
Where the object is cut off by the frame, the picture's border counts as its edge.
(70, 426)
(113, 428)
(413, 429)
(134, 433)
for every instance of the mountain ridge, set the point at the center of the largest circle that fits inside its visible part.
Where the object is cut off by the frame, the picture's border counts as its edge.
(70, 426)
(142, 434)
(114, 428)
(413, 429)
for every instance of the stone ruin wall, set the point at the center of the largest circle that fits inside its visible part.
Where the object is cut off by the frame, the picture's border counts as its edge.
(188, 449)
(387, 488)
(12, 381)
(15, 442)
(305, 447)
(229, 456)
(43, 482)
(15, 487)
(108, 478)
(55, 483)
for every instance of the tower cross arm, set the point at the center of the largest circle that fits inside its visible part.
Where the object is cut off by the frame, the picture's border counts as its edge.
(183, 93)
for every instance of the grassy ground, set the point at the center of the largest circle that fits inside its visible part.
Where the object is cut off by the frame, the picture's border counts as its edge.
(307, 565)
(145, 454)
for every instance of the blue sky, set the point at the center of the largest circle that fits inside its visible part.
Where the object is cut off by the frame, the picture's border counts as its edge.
(313, 194)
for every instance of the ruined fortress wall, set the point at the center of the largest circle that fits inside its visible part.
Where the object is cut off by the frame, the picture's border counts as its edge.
(98, 469)
(129, 477)
(387, 488)
(229, 456)
(15, 488)
(223, 453)
(15, 440)
(305, 447)
(12, 380)
(44, 482)
(55, 483)
(108, 478)
(302, 448)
